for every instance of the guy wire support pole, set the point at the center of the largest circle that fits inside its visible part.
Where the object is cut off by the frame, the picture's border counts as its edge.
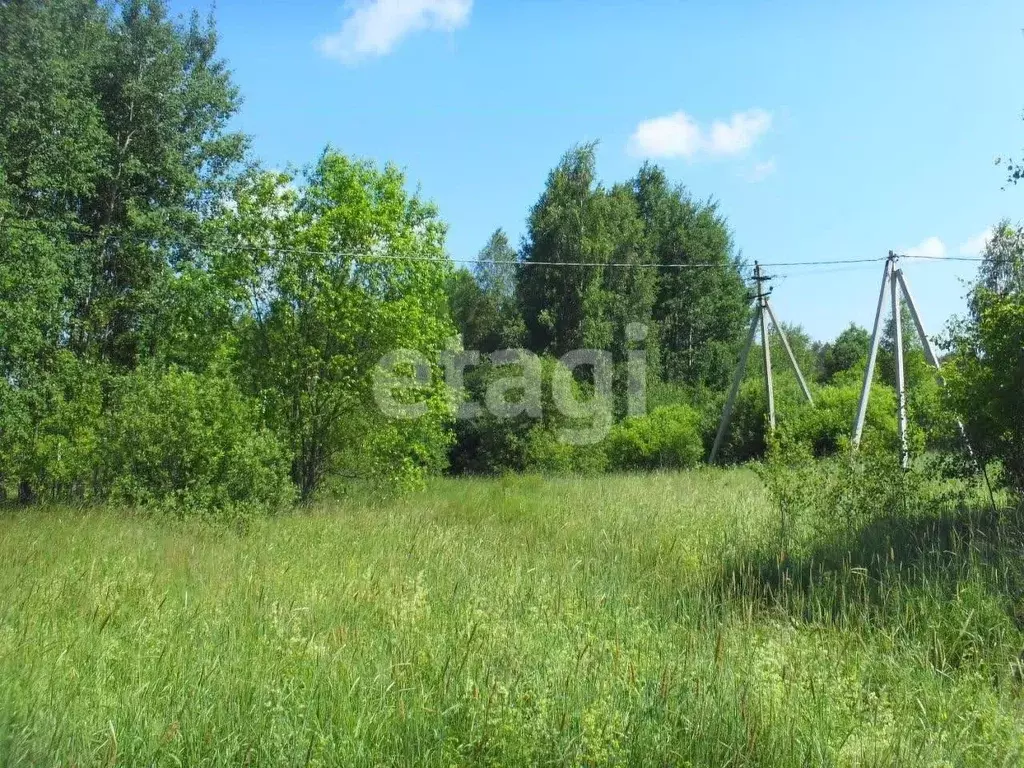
(762, 302)
(737, 379)
(901, 388)
(789, 351)
(762, 313)
(876, 336)
(933, 360)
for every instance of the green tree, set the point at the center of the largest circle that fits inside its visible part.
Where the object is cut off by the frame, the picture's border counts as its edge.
(1001, 272)
(113, 138)
(986, 367)
(166, 161)
(483, 302)
(700, 312)
(353, 269)
(560, 302)
(578, 228)
(848, 352)
(629, 292)
(113, 154)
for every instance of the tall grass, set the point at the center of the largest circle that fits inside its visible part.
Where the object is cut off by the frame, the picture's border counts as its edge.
(633, 620)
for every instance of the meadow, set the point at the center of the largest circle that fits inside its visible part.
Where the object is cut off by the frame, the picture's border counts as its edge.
(609, 620)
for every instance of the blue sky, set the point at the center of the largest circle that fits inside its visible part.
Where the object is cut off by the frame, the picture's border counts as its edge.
(834, 130)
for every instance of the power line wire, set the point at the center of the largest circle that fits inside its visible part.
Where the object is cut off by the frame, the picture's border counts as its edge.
(369, 254)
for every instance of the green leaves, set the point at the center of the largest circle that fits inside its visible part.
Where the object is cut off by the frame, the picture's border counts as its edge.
(190, 444)
(985, 370)
(483, 302)
(352, 270)
(700, 312)
(666, 438)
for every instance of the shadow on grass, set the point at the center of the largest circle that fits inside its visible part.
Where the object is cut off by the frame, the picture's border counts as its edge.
(876, 572)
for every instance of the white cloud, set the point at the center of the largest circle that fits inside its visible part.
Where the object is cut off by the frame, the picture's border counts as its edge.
(975, 246)
(679, 135)
(929, 248)
(375, 27)
(761, 171)
(740, 133)
(676, 135)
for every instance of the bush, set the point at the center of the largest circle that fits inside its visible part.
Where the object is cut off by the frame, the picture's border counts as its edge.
(545, 452)
(747, 438)
(523, 443)
(191, 443)
(487, 445)
(394, 455)
(826, 427)
(666, 438)
(49, 431)
(985, 375)
(833, 499)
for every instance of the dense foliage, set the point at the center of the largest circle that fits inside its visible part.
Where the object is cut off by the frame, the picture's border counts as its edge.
(349, 269)
(175, 326)
(113, 155)
(986, 375)
(181, 329)
(667, 437)
(192, 443)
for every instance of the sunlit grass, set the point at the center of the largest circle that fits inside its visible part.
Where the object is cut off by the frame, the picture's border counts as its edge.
(593, 621)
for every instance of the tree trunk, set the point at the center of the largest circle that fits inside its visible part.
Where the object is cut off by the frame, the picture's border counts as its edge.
(26, 494)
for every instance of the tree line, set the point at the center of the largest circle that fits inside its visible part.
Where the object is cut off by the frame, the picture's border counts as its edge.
(182, 329)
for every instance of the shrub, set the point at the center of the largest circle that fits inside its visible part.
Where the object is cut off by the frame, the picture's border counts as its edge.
(395, 455)
(191, 443)
(545, 452)
(826, 426)
(49, 430)
(525, 442)
(667, 437)
(832, 499)
(985, 375)
(747, 437)
(488, 444)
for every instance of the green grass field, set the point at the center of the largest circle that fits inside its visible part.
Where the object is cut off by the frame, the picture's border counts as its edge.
(521, 621)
